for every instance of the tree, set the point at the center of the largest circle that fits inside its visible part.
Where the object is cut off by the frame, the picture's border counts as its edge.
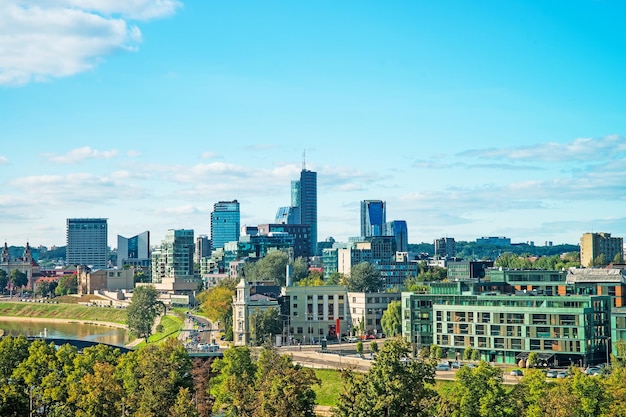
(599, 261)
(480, 392)
(359, 348)
(272, 267)
(533, 359)
(46, 288)
(4, 280)
(18, 279)
(217, 302)
(68, 284)
(364, 277)
(264, 324)
(436, 352)
(284, 388)
(183, 407)
(143, 309)
(234, 385)
(393, 387)
(374, 347)
(300, 269)
(334, 278)
(391, 320)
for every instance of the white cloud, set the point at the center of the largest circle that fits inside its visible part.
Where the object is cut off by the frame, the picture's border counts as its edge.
(81, 154)
(209, 155)
(55, 38)
(581, 149)
(4, 160)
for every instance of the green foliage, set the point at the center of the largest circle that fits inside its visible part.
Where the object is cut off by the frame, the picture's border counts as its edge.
(334, 279)
(45, 288)
(272, 267)
(18, 279)
(4, 280)
(391, 320)
(68, 284)
(599, 261)
(359, 347)
(216, 303)
(479, 392)
(374, 346)
(364, 277)
(436, 352)
(430, 274)
(533, 359)
(264, 324)
(390, 388)
(143, 309)
(283, 388)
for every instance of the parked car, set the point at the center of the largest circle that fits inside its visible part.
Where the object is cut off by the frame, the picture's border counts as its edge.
(551, 373)
(593, 371)
(517, 372)
(442, 367)
(469, 365)
(561, 374)
(456, 365)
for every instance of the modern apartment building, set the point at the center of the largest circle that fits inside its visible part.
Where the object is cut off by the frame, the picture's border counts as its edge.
(594, 245)
(373, 217)
(134, 251)
(225, 223)
(172, 262)
(87, 242)
(203, 248)
(506, 328)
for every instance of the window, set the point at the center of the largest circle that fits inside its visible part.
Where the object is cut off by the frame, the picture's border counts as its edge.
(295, 306)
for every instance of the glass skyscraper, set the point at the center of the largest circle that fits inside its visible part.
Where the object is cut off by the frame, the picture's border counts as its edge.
(87, 243)
(398, 229)
(373, 217)
(225, 223)
(308, 204)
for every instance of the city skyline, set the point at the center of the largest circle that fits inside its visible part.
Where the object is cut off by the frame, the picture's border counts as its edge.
(467, 120)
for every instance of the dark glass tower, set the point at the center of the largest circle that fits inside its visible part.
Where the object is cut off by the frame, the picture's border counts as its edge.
(373, 217)
(308, 204)
(225, 222)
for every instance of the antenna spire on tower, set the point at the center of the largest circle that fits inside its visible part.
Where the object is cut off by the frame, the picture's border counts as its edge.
(304, 160)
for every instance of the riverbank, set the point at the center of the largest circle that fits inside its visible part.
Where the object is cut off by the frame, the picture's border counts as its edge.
(71, 312)
(65, 321)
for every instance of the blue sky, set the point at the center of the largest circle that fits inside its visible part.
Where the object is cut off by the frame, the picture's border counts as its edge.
(470, 118)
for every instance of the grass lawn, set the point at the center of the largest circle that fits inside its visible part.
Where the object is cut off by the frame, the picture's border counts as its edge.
(171, 328)
(328, 392)
(62, 311)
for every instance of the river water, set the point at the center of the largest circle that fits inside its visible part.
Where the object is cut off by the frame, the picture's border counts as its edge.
(69, 330)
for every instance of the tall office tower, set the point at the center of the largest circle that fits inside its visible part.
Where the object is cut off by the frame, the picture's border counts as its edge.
(373, 217)
(225, 221)
(445, 247)
(134, 251)
(308, 204)
(592, 245)
(203, 248)
(87, 243)
(172, 262)
(399, 230)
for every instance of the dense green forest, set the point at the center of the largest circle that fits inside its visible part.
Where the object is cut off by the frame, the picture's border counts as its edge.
(475, 251)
